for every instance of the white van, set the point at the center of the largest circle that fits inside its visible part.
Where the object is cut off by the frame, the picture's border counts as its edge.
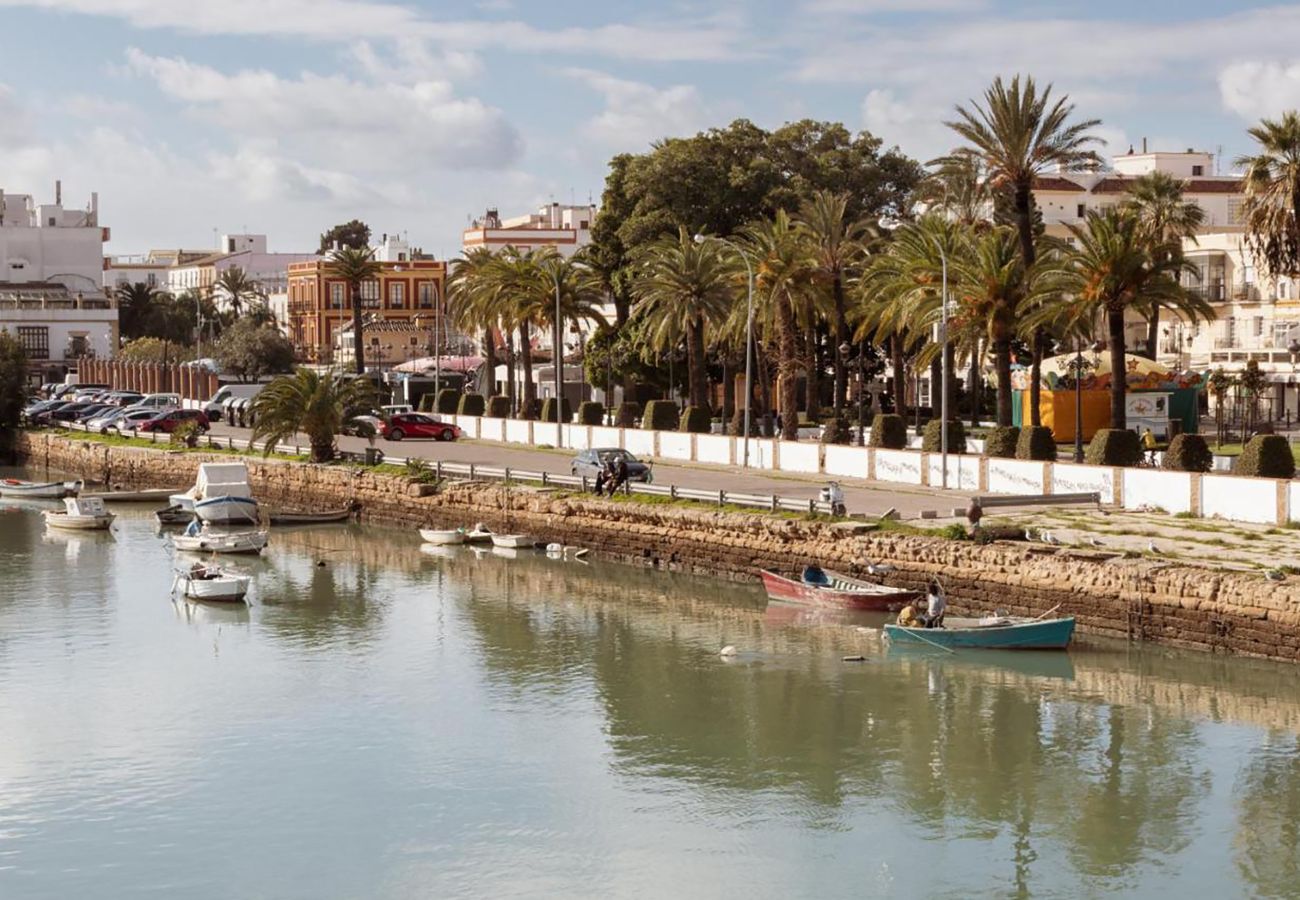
(216, 407)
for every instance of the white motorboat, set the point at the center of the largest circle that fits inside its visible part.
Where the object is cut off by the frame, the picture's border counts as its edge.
(442, 536)
(144, 496)
(479, 534)
(200, 582)
(38, 490)
(80, 514)
(221, 495)
(513, 541)
(204, 540)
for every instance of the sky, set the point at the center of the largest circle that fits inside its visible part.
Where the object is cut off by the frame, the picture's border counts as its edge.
(198, 117)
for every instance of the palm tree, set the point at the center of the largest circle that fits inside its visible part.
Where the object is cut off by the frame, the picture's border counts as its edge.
(579, 291)
(1115, 268)
(471, 302)
(520, 289)
(837, 246)
(136, 304)
(1272, 183)
(1166, 220)
(959, 187)
(356, 265)
(309, 402)
(783, 271)
(1021, 133)
(237, 287)
(683, 287)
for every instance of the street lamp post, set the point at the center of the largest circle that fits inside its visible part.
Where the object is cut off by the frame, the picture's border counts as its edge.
(558, 354)
(943, 377)
(1078, 365)
(845, 349)
(749, 335)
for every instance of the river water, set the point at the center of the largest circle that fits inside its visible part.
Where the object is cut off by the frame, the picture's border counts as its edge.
(391, 722)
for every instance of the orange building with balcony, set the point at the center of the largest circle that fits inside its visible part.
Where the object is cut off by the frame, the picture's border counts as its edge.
(320, 304)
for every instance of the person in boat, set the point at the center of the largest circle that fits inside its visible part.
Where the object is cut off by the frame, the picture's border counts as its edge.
(934, 606)
(910, 616)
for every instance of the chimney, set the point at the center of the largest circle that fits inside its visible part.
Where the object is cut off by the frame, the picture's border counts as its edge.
(58, 193)
(1144, 145)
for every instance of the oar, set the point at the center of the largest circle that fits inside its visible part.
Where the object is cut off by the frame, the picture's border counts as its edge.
(912, 632)
(1048, 613)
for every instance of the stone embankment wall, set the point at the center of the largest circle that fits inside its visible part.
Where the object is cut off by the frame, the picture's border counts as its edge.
(1169, 603)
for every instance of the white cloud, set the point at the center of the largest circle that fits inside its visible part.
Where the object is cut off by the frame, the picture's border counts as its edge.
(638, 114)
(411, 59)
(344, 122)
(258, 171)
(1255, 90)
(861, 7)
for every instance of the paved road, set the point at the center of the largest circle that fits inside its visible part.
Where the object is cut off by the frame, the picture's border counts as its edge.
(867, 497)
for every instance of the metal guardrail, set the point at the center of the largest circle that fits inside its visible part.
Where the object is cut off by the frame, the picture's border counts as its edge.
(1038, 499)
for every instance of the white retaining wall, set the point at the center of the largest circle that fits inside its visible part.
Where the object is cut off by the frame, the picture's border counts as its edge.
(639, 442)
(1239, 498)
(1293, 501)
(714, 448)
(802, 456)
(963, 471)
(762, 452)
(1069, 478)
(492, 429)
(519, 431)
(903, 466)
(604, 436)
(849, 462)
(577, 437)
(1171, 491)
(1015, 476)
(676, 445)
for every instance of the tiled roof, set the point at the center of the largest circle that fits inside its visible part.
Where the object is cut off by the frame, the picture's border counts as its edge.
(1056, 183)
(1213, 186)
(1112, 184)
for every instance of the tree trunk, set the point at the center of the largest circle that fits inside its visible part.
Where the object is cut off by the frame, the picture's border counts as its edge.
(812, 380)
(489, 363)
(1002, 368)
(697, 378)
(728, 388)
(950, 383)
(764, 376)
(358, 339)
(1153, 332)
(511, 382)
(1035, 378)
(1115, 323)
(975, 387)
(1024, 215)
(526, 410)
(841, 388)
(900, 381)
(936, 385)
(788, 369)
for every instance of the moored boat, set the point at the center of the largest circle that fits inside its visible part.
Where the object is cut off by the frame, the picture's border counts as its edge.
(38, 490)
(204, 540)
(221, 495)
(145, 496)
(306, 517)
(442, 536)
(80, 514)
(479, 534)
(213, 583)
(834, 589)
(991, 633)
(174, 515)
(513, 541)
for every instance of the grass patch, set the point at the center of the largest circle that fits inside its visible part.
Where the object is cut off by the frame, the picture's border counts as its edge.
(120, 440)
(1235, 450)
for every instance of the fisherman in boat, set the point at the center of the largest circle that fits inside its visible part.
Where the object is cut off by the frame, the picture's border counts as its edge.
(934, 606)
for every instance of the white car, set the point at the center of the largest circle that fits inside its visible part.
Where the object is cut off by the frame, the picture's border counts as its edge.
(128, 419)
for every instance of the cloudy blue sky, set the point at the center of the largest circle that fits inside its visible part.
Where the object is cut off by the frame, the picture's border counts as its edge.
(284, 116)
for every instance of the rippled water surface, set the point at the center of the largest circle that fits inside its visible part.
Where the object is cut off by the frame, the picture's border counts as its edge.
(391, 722)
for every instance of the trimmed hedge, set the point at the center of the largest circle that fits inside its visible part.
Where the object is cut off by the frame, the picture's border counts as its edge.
(837, 431)
(889, 432)
(1002, 442)
(1036, 443)
(1188, 453)
(697, 419)
(591, 412)
(1266, 456)
(932, 439)
(528, 410)
(498, 407)
(426, 403)
(448, 401)
(628, 414)
(737, 426)
(471, 405)
(1114, 447)
(661, 415)
(549, 406)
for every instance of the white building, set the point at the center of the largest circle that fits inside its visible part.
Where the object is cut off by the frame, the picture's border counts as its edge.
(566, 228)
(51, 271)
(244, 251)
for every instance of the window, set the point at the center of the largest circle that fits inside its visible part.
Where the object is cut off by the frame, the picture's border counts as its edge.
(336, 295)
(370, 294)
(1284, 290)
(1198, 171)
(425, 289)
(1247, 274)
(1081, 210)
(1259, 326)
(35, 341)
(77, 346)
(397, 295)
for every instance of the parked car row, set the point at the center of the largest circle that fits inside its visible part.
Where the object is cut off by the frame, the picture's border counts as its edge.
(155, 412)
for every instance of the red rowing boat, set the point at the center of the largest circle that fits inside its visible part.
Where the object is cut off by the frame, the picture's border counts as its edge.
(837, 590)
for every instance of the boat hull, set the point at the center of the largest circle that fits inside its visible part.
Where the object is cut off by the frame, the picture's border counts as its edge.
(78, 523)
(145, 496)
(227, 511)
(441, 537)
(478, 537)
(513, 541)
(294, 517)
(50, 490)
(174, 515)
(250, 542)
(1052, 634)
(868, 597)
(226, 589)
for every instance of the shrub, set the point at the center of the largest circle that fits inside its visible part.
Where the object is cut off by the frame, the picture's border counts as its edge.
(889, 432)
(591, 412)
(448, 401)
(549, 407)
(471, 405)
(1188, 453)
(1267, 456)
(426, 404)
(1036, 442)
(498, 407)
(1114, 447)
(628, 414)
(1002, 441)
(185, 434)
(697, 419)
(932, 439)
(528, 409)
(660, 415)
(837, 431)
(737, 426)
(987, 534)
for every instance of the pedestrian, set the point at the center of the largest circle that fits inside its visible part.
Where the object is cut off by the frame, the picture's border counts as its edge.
(1149, 445)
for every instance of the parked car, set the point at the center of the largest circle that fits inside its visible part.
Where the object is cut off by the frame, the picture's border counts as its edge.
(395, 428)
(129, 420)
(36, 413)
(123, 398)
(101, 420)
(215, 408)
(160, 401)
(169, 420)
(95, 409)
(65, 413)
(590, 462)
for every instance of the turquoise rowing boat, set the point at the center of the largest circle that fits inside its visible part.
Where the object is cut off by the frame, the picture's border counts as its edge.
(996, 633)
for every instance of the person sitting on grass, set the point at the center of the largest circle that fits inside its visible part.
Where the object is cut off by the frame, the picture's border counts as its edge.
(620, 476)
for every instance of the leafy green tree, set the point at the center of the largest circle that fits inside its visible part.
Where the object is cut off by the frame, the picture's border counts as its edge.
(155, 350)
(136, 306)
(310, 403)
(1272, 185)
(354, 235)
(253, 351)
(13, 389)
(356, 265)
(608, 256)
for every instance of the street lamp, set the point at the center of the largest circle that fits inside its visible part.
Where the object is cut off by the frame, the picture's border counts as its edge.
(1077, 366)
(845, 349)
(558, 354)
(749, 333)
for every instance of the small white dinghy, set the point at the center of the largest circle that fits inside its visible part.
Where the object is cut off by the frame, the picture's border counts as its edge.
(442, 536)
(479, 534)
(198, 539)
(17, 489)
(513, 541)
(209, 582)
(80, 514)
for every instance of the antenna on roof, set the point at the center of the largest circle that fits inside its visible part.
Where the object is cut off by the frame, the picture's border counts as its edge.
(1218, 154)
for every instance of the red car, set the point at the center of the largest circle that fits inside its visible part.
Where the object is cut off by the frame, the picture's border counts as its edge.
(169, 421)
(417, 425)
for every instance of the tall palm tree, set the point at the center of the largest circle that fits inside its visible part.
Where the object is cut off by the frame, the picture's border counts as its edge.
(521, 289)
(837, 246)
(1113, 269)
(237, 288)
(471, 302)
(1166, 219)
(1272, 183)
(683, 287)
(959, 187)
(580, 293)
(1021, 133)
(783, 270)
(356, 265)
(136, 304)
(309, 402)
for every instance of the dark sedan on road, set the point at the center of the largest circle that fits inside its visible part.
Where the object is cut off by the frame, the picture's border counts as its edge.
(590, 462)
(415, 425)
(169, 421)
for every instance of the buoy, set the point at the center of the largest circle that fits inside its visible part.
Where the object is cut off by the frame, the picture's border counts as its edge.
(728, 650)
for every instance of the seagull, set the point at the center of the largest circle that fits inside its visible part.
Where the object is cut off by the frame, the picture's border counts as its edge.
(1048, 538)
(1275, 575)
(1092, 539)
(728, 650)
(1029, 534)
(879, 568)
(1151, 545)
